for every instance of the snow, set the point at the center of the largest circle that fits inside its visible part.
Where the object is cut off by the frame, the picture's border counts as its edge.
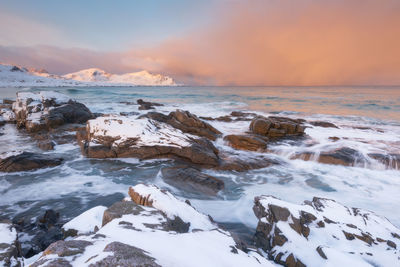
(172, 207)
(207, 246)
(331, 238)
(22, 77)
(87, 221)
(136, 78)
(144, 131)
(8, 234)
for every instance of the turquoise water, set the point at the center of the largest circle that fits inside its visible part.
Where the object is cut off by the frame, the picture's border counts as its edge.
(368, 117)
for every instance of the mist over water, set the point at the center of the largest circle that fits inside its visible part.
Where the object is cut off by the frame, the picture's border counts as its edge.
(368, 119)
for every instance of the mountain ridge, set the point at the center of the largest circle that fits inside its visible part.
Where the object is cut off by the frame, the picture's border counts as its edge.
(17, 76)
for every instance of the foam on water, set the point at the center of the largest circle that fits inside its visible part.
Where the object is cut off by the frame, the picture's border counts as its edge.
(364, 124)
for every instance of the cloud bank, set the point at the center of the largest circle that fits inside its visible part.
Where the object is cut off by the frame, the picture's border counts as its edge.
(271, 42)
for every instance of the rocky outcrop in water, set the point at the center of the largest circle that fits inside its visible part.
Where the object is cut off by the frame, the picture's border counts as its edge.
(143, 105)
(322, 232)
(192, 180)
(27, 161)
(117, 136)
(247, 142)
(187, 123)
(151, 235)
(342, 156)
(47, 110)
(277, 127)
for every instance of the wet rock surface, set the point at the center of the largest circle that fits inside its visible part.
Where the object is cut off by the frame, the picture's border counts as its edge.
(342, 156)
(42, 232)
(192, 180)
(391, 161)
(143, 105)
(324, 124)
(247, 142)
(277, 127)
(323, 231)
(27, 161)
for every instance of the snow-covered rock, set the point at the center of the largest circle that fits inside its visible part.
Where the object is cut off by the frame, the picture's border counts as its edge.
(323, 232)
(101, 77)
(9, 248)
(47, 109)
(136, 235)
(86, 222)
(121, 136)
(14, 76)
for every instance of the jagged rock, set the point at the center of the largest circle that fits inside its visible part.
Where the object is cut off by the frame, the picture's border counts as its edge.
(343, 156)
(247, 142)
(192, 180)
(47, 110)
(114, 136)
(295, 235)
(10, 250)
(277, 127)
(187, 123)
(323, 124)
(28, 161)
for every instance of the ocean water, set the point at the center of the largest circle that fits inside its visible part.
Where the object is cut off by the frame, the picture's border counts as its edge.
(368, 117)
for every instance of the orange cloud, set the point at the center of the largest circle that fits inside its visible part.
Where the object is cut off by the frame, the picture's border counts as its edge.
(260, 42)
(292, 43)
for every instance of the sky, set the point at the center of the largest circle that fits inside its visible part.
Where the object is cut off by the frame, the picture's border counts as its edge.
(210, 42)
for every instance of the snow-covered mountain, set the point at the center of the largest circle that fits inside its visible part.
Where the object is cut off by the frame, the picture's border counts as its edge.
(139, 78)
(15, 76)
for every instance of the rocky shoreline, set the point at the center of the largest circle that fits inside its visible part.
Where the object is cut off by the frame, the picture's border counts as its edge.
(147, 228)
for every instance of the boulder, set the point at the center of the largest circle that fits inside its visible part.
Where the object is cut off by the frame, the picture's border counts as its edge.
(125, 255)
(118, 136)
(277, 127)
(192, 180)
(230, 162)
(247, 142)
(169, 232)
(147, 105)
(342, 156)
(47, 110)
(43, 231)
(187, 123)
(10, 250)
(391, 161)
(323, 232)
(324, 124)
(27, 161)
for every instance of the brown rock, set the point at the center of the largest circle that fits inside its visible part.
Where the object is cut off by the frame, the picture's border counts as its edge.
(28, 161)
(139, 199)
(276, 127)
(324, 124)
(192, 180)
(247, 142)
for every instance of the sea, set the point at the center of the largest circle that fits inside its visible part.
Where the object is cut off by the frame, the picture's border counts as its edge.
(368, 120)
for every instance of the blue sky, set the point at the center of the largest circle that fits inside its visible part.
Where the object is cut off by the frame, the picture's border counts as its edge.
(109, 25)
